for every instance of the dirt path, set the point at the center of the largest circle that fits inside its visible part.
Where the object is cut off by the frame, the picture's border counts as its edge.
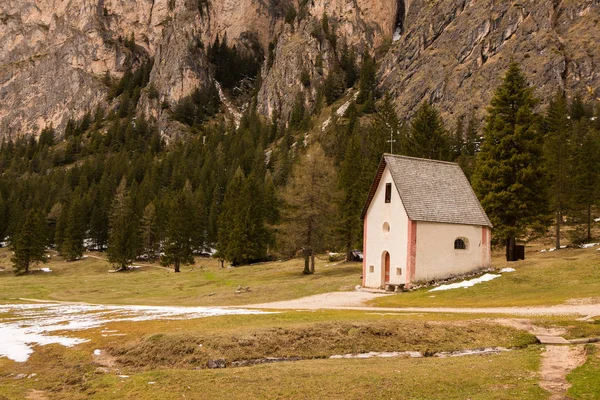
(356, 301)
(557, 362)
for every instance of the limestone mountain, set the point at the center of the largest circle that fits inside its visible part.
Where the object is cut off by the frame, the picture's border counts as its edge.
(56, 55)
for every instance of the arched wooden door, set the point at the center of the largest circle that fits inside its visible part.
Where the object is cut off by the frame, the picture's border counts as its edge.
(386, 264)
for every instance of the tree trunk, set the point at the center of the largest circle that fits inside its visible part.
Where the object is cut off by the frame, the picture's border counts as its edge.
(312, 261)
(511, 249)
(306, 262)
(589, 222)
(558, 221)
(176, 266)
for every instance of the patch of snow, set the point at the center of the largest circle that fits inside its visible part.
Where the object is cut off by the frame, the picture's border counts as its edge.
(397, 34)
(326, 123)
(151, 383)
(589, 245)
(466, 284)
(97, 352)
(472, 352)
(124, 376)
(237, 116)
(385, 354)
(507, 270)
(45, 270)
(342, 110)
(40, 324)
(596, 219)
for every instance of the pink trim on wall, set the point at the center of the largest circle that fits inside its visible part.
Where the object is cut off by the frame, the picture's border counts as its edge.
(485, 246)
(411, 255)
(364, 277)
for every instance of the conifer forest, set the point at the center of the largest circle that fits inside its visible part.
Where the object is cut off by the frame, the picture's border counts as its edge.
(276, 188)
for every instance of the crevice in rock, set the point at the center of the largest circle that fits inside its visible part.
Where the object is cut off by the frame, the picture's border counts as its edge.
(399, 22)
(561, 47)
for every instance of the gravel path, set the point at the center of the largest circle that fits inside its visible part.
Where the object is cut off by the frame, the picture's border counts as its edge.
(356, 301)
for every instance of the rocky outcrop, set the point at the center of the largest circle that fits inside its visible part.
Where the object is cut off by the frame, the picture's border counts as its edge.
(454, 52)
(361, 24)
(55, 53)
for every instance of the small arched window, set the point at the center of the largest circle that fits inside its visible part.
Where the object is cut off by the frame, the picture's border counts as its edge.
(460, 244)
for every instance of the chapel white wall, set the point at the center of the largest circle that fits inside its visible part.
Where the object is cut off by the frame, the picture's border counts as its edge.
(396, 242)
(436, 256)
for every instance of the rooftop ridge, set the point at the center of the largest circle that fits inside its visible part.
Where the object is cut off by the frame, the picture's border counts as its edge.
(427, 160)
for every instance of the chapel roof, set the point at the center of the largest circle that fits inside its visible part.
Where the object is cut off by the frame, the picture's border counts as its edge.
(431, 191)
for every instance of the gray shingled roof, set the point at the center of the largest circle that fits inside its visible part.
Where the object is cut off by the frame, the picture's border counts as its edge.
(435, 191)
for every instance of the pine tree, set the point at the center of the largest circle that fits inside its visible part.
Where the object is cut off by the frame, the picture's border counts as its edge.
(309, 206)
(149, 232)
(510, 178)
(367, 81)
(122, 238)
(557, 151)
(3, 217)
(30, 245)
(52, 221)
(72, 243)
(585, 174)
(178, 248)
(243, 237)
(470, 146)
(385, 127)
(353, 184)
(427, 136)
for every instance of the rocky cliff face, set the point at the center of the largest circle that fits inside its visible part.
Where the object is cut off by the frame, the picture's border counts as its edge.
(55, 53)
(454, 52)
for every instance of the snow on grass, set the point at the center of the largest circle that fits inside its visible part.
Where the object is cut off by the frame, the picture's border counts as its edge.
(552, 249)
(507, 270)
(45, 269)
(466, 284)
(40, 324)
(589, 245)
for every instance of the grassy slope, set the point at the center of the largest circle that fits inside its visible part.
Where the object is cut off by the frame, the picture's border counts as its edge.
(542, 279)
(88, 280)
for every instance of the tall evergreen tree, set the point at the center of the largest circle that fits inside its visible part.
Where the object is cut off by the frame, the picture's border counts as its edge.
(353, 183)
(149, 232)
(385, 128)
(178, 249)
(585, 174)
(72, 243)
(30, 245)
(557, 151)
(243, 236)
(122, 239)
(428, 137)
(510, 178)
(367, 81)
